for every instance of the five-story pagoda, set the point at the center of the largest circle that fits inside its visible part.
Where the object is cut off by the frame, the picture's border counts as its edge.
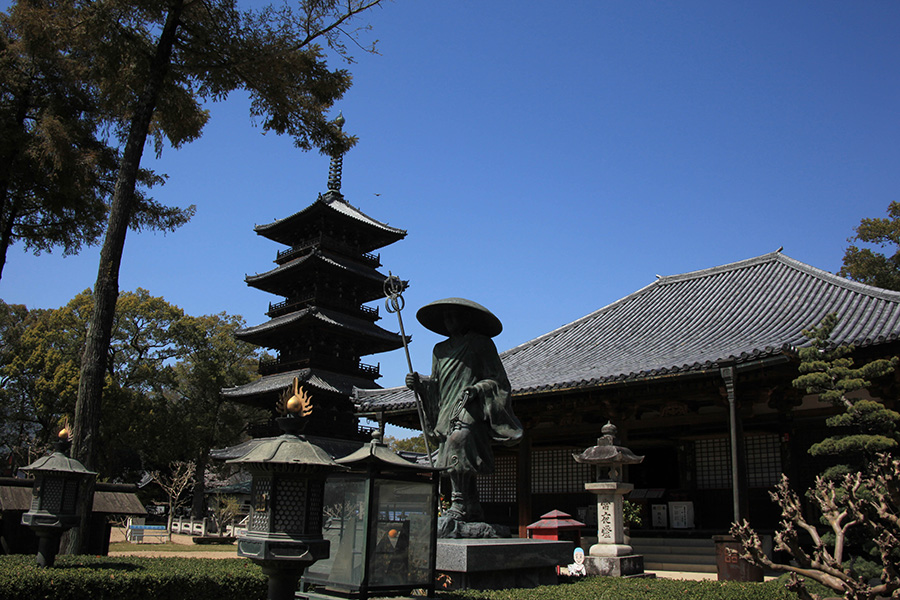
(321, 327)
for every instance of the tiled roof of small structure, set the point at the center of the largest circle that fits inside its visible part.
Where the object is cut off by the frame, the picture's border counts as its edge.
(334, 201)
(316, 378)
(16, 494)
(732, 314)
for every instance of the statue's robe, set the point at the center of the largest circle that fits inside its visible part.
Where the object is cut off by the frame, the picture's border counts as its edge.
(460, 362)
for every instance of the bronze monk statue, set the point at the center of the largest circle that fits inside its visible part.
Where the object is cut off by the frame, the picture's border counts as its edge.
(467, 398)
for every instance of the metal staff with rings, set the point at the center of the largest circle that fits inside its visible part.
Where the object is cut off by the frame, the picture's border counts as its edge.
(394, 303)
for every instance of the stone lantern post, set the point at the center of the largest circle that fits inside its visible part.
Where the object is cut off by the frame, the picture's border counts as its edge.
(610, 556)
(55, 505)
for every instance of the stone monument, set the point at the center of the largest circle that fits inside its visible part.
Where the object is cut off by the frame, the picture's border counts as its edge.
(610, 556)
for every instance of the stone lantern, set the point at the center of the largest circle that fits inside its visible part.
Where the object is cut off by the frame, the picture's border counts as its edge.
(284, 528)
(381, 518)
(55, 498)
(610, 556)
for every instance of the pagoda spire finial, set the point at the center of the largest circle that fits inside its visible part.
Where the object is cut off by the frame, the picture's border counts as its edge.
(337, 162)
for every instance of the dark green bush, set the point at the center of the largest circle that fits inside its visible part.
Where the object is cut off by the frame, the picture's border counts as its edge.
(131, 577)
(612, 588)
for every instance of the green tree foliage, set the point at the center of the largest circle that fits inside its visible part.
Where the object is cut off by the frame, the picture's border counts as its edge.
(410, 444)
(869, 266)
(211, 358)
(152, 65)
(57, 170)
(865, 427)
(164, 370)
(38, 374)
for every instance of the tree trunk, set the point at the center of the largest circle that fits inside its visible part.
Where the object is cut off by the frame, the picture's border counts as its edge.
(106, 289)
(198, 505)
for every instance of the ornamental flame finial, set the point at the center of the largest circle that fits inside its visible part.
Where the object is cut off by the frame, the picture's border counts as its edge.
(295, 401)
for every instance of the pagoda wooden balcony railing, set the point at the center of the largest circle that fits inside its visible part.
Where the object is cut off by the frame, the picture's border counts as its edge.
(330, 243)
(270, 366)
(276, 309)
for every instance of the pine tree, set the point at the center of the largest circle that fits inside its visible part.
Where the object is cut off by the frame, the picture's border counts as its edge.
(866, 427)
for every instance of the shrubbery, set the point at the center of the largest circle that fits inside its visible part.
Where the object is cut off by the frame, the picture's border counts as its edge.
(131, 577)
(140, 578)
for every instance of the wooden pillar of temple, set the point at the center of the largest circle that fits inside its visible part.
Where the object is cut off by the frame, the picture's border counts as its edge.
(523, 484)
(738, 454)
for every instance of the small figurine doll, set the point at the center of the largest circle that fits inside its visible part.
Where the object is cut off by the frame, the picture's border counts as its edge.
(576, 569)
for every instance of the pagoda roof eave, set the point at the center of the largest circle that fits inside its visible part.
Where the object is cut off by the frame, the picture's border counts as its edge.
(266, 334)
(333, 204)
(274, 280)
(270, 387)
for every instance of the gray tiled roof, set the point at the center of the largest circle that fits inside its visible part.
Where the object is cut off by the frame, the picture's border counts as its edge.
(735, 313)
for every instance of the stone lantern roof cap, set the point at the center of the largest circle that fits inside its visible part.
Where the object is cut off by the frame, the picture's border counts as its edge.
(287, 449)
(59, 463)
(607, 452)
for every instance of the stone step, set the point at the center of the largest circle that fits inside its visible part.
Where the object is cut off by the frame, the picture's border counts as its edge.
(650, 566)
(677, 554)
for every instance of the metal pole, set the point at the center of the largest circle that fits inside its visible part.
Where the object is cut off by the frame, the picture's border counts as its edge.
(393, 287)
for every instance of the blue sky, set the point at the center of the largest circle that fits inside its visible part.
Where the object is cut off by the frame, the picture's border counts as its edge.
(548, 158)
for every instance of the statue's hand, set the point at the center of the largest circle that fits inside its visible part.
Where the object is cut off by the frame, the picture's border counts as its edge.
(412, 381)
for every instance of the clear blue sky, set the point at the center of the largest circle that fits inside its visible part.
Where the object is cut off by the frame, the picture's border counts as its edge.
(548, 158)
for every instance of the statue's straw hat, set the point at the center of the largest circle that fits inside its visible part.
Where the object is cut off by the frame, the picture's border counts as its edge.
(482, 320)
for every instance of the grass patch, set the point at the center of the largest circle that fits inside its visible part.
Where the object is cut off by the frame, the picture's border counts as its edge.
(614, 588)
(171, 547)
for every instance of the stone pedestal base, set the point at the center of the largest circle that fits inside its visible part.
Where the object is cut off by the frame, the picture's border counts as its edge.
(615, 566)
(604, 550)
(490, 564)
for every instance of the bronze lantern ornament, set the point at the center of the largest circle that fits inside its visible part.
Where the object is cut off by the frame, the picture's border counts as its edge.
(284, 529)
(55, 498)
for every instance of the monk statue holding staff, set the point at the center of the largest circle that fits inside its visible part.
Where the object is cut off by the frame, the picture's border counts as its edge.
(467, 398)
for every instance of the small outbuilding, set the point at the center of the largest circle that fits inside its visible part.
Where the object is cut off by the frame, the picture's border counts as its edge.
(110, 500)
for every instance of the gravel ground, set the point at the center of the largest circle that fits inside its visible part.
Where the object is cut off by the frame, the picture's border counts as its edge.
(118, 535)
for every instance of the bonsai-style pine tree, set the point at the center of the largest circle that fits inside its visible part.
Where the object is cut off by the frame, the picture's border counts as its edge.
(859, 500)
(866, 427)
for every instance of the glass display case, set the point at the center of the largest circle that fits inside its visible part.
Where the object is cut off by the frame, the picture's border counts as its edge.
(381, 521)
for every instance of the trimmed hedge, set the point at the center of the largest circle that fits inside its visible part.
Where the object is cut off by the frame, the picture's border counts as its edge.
(148, 578)
(131, 577)
(614, 588)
